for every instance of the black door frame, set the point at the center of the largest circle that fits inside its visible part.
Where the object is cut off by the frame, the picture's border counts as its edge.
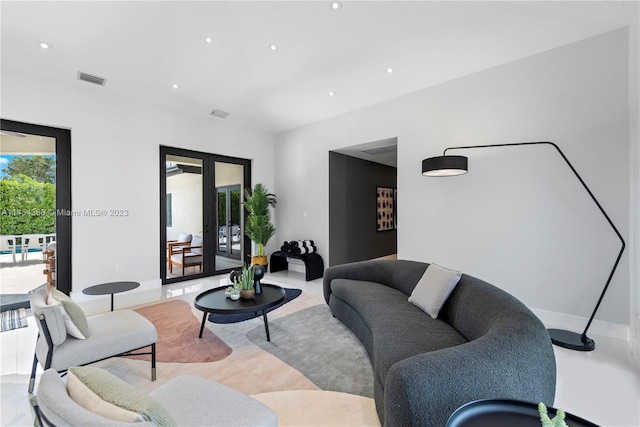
(63, 194)
(209, 203)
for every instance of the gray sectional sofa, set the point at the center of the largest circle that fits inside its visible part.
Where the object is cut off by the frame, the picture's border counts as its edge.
(484, 343)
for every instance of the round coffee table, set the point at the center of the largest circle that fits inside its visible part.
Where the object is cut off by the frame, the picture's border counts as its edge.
(110, 288)
(503, 412)
(214, 301)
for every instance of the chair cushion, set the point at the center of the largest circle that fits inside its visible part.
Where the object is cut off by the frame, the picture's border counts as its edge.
(107, 395)
(112, 333)
(75, 320)
(184, 396)
(189, 258)
(197, 241)
(184, 237)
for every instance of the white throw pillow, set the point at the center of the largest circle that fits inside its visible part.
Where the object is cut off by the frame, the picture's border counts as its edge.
(434, 288)
(74, 318)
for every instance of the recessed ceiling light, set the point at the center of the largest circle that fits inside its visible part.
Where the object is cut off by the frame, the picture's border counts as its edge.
(332, 93)
(273, 47)
(44, 45)
(209, 40)
(175, 86)
(335, 5)
(389, 70)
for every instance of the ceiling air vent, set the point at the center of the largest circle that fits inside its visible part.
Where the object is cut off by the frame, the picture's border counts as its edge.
(381, 150)
(219, 113)
(91, 79)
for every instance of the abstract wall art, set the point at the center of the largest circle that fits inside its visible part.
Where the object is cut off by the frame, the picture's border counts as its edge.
(384, 211)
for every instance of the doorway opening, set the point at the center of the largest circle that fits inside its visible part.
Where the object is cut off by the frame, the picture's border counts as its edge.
(35, 197)
(363, 202)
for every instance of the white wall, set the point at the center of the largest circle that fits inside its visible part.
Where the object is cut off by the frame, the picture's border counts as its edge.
(634, 159)
(519, 219)
(186, 204)
(115, 159)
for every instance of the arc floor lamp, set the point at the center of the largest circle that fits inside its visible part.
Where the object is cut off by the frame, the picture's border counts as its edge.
(457, 165)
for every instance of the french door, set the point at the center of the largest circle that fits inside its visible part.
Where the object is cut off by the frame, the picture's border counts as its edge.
(201, 215)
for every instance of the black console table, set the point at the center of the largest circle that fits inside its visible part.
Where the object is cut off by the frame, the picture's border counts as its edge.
(313, 264)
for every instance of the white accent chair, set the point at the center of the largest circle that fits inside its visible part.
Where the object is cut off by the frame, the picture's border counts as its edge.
(190, 400)
(114, 333)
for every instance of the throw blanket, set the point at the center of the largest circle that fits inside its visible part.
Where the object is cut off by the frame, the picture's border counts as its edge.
(299, 247)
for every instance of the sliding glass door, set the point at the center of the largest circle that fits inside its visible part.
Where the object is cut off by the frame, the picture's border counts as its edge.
(201, 213)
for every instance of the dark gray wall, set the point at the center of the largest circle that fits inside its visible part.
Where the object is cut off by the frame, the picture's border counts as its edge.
(352, 209)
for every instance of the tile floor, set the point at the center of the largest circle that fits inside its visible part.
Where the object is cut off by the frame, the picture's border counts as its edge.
(602, 386)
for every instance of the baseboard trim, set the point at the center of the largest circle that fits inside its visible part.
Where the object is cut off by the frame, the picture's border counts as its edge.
(553, 319)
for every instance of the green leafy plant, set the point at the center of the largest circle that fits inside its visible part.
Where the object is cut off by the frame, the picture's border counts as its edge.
(27, 206)
(557, 421)
(258, 227)
(246, 279)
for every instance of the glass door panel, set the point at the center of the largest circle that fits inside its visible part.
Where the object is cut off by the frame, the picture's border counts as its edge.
(28, 208)
(185, 243)
(235, 196)
(229, 184)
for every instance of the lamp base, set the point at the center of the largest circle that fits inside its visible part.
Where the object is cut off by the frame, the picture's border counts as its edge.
(571, 340)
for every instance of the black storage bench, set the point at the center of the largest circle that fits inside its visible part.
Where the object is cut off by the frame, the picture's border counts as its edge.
(313, 264)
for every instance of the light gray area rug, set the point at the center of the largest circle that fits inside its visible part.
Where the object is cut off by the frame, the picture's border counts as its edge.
(319, 346)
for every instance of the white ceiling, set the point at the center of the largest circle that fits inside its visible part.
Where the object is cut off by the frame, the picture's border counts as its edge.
(142, 48)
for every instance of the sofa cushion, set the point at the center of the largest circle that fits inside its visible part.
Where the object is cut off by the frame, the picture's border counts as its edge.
(104, 394)
(433, 289)
(399, 328)
(75, 320)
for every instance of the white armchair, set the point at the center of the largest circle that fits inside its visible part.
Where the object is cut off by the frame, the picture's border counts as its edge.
(110, 334)
(187, 400)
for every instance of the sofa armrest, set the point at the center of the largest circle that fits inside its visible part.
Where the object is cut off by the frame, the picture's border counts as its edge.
(424, 390)
(399, 274)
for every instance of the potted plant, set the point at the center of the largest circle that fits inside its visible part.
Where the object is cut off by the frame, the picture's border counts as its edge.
(246, 281)
(235, 294)
(557, 421)
(258, 227)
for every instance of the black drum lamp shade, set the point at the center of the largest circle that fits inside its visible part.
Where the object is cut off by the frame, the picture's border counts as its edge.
(444, 166)
(457, 165)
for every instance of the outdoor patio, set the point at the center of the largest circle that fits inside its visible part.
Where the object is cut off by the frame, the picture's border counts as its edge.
(21, 276)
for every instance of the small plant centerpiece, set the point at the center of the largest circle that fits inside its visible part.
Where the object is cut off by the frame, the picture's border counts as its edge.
(258, 227)
(246, 281)
(557, 421)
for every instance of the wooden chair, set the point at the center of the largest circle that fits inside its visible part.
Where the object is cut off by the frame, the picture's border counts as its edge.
(183, 256)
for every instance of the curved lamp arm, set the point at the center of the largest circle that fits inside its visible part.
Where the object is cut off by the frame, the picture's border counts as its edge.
(561, 337)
